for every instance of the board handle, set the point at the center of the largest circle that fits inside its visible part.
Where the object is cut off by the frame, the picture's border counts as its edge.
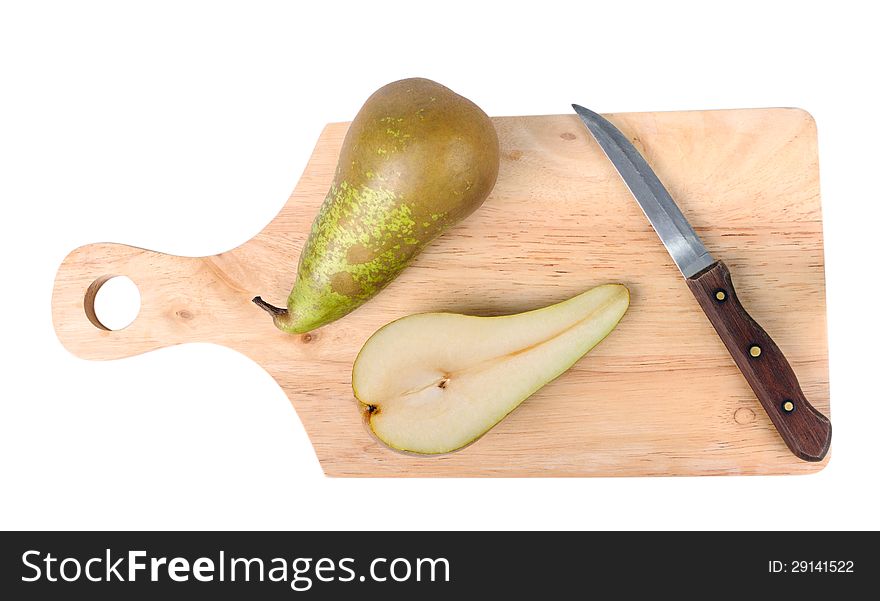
(803, 428)
(180, 299)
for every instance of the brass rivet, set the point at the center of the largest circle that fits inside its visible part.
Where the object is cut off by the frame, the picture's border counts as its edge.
(720, 295)
(788, 406)
(755, 351)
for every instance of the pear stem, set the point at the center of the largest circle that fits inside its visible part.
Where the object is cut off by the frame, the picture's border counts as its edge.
(270, 309)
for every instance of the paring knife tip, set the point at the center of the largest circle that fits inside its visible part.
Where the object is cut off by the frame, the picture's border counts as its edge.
(584, 112)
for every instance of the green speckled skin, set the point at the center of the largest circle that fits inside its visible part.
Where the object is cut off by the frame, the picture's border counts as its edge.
(417, 159)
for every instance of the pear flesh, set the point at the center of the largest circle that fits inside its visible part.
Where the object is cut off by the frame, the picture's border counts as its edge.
(434, 382)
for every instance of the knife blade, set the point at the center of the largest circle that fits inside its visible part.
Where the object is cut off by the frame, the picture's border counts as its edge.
(805, 430)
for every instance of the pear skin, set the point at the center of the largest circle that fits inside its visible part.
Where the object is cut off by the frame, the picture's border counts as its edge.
(417, 159)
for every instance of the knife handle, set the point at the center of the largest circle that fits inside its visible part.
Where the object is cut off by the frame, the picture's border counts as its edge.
(804, 429)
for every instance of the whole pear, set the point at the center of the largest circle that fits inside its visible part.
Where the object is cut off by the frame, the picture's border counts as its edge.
(417, 159)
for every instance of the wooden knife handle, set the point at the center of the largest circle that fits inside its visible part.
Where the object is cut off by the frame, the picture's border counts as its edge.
(804, 429)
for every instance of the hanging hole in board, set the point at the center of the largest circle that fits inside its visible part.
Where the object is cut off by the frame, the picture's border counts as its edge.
(112, 302)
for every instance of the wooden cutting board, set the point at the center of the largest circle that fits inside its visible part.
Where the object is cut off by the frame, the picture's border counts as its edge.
(660, 396)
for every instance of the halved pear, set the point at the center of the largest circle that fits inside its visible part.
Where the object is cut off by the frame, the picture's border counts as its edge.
(435, 382)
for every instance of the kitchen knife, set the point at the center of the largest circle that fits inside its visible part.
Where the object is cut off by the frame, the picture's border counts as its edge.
(804, 429)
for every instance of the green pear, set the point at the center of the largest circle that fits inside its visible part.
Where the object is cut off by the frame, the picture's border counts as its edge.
(417, 159)
(435, 382)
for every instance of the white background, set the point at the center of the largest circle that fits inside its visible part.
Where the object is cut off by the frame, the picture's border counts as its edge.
(183, 127)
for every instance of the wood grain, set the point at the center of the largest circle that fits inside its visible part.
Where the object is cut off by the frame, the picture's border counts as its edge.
(660, 396)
